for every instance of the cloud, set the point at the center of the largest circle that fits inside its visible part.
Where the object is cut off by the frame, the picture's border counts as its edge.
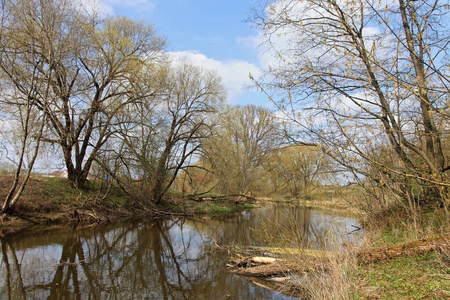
(252, 41)
(137, 5)
(94, 7)
(234, 73)
(112, 7)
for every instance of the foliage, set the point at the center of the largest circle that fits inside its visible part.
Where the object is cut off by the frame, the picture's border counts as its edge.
(198, 179)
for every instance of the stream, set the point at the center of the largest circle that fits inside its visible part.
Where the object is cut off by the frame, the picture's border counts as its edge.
(173, 258)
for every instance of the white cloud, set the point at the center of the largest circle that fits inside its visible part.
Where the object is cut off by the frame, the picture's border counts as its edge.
(112, 7)
(138, 5)
(252, 41)
(234, 73)
(96, 7)
(257, 43)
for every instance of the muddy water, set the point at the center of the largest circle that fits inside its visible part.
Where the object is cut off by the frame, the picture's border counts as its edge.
(165, 259)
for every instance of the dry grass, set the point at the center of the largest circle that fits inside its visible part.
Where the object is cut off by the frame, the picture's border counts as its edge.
(337, 282)
(341, 276)
(322, 273)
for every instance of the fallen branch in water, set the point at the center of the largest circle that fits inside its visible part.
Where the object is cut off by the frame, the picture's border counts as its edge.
(283, 285)
(211, 239)
(66, 263)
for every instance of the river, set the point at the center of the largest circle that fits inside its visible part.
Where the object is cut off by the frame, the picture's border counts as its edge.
(174, 258)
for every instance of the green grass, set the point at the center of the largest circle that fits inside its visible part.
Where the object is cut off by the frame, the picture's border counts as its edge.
(409, 277)
(421, 276)
(44, 195)
(53, 195)
(216, 208)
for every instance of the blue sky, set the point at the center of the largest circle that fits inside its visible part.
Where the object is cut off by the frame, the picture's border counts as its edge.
(214, 34)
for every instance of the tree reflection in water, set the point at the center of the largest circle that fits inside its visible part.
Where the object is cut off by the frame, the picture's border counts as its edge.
(13, 285)
(165, 259)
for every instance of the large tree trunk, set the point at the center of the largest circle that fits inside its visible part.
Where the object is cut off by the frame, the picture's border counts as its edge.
(159, 183)
(436, 162)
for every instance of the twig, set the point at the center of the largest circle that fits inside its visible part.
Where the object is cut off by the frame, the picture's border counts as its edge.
(67, 263)
(213, 239)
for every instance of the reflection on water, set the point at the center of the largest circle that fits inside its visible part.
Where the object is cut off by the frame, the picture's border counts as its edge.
(165, 259)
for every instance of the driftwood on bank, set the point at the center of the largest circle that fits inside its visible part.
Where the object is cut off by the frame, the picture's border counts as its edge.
(439, 243)
(281, 268)
(280, 251)
(318, 261)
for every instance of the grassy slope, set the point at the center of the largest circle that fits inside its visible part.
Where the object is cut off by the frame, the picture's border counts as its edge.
(410, 277)
(53, 201)
(420, 276)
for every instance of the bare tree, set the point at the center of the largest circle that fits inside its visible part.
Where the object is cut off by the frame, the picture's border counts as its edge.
(355, 76)
(298, 169)
(244, 139)
(93, 62)
(22, 126)
(23, 148)
(164, 130)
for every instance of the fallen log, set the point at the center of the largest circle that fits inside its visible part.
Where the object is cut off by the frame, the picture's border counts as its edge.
(273, 269)
(282, 268)
(263, 260)
(253, 261)
(440, 244)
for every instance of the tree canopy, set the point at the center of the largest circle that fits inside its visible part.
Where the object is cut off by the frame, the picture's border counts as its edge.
(356, 77)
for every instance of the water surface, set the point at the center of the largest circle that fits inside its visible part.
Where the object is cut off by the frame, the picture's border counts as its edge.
(173, 258)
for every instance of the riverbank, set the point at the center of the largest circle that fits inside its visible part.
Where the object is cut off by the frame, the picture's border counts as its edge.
(335, 199)
(423, 273)
(402, 255)
(415, 270)
(48, 201)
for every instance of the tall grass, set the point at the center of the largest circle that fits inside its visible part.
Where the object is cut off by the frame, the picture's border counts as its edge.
(339, 275)
(322, 263)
